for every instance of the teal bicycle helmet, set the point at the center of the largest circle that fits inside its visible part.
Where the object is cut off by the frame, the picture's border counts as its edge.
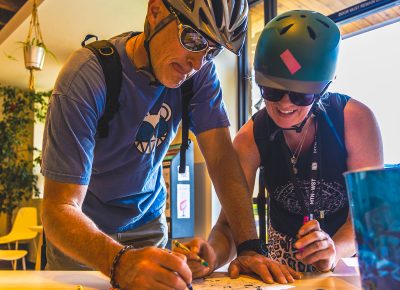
(297, 51)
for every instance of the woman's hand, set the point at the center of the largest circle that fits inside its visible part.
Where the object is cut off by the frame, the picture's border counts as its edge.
(199, 248)
(315, 247)
(269, 270)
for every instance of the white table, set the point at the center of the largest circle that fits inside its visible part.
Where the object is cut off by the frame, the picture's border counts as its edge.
(344, 277)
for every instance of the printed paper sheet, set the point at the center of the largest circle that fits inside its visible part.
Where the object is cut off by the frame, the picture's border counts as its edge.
(222, 281)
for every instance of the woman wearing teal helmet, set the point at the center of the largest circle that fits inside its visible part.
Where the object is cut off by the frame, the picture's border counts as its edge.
(302, 141)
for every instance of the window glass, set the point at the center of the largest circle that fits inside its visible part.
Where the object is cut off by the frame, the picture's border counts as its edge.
(368, 71)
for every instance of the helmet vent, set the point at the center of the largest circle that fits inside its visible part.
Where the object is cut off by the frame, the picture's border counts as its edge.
(323, 23)
(311, 32)
(303, 16)
(218, 12)
(283, 17)
(239, 31)
(203, 16)
(190, 4)
(285, 29)
(234, 15)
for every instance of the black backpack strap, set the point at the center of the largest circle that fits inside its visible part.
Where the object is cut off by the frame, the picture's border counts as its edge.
(187, 93)
(110, 62)
(262, 201)
(261, 132)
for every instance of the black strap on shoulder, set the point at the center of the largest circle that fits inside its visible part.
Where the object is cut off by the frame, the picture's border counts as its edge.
(261, 203)
(187, 93)
(110, 62)
(261, 131)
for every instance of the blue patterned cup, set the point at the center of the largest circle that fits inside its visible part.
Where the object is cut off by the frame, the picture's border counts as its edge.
(374, 197)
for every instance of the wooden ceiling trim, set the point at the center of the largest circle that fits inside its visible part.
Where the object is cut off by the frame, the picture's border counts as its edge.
(327, 7)
(374, 19)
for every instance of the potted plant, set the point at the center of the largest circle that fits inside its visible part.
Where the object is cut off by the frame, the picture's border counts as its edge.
(34, 48)
(18, 111)
(34, 54)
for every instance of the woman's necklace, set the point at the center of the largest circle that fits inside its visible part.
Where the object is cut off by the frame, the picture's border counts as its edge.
(296, 153)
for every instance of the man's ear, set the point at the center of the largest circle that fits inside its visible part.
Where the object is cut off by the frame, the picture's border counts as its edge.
(155, 11)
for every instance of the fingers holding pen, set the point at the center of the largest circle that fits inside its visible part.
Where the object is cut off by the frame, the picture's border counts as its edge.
(200, 255)
(315, 246)
(155, 268)
(310, 238)
(308, 227)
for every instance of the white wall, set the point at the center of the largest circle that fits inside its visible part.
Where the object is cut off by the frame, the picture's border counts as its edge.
(227, 71)
(369, 72)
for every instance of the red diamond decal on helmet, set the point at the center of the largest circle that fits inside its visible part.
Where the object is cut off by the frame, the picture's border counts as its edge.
(290, 61)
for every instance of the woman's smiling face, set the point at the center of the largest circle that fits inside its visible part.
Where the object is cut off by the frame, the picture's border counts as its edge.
(286, 114)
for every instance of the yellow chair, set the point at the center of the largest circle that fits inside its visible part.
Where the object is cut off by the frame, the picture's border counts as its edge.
(20, 232)
(38, 229)
(13, 256)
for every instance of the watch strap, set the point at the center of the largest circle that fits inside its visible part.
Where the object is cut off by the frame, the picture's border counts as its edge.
(255, 245)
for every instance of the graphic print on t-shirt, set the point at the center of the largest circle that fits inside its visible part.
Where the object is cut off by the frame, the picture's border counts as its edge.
(154, 130)
(331, 196)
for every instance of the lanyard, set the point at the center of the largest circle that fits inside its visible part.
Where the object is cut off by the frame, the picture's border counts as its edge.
(308, 211)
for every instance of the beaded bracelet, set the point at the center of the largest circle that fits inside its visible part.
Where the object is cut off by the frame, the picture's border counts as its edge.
(114, 284)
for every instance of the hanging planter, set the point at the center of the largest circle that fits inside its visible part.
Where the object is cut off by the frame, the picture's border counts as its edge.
(34, 47)
(34, 57)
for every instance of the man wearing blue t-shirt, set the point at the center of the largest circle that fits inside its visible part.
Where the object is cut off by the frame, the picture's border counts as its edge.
(102, 194)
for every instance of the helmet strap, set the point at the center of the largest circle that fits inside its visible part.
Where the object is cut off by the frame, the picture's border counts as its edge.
(296, 128)
(149, 71)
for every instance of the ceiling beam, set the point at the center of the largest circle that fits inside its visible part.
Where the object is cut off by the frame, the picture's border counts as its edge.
(5, 16)
(11, 5)
(23, 13)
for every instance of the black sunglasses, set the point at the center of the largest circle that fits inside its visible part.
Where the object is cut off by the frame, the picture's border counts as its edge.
(193, 41)
(275, 95)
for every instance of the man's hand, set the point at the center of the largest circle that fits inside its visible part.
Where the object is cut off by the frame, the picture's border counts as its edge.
(152, 268)
(317, 247)
(199, 248)
(269, 270)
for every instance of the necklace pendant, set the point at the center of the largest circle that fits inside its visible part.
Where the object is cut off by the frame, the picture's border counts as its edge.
(293, 160)
(295, 171)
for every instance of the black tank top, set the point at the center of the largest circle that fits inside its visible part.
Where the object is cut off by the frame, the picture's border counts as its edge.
(286, 212)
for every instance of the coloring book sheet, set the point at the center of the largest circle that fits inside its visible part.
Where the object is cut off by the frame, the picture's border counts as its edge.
(222, 281)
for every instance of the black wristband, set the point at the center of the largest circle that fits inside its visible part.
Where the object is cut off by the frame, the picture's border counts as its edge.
(255, 245)
(114, 264)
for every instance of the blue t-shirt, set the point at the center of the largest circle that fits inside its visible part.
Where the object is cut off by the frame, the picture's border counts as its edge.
(123, 171)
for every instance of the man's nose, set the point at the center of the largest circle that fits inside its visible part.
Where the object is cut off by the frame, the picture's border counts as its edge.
(196, 60)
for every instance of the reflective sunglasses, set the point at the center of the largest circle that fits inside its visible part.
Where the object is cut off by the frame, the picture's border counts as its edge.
(275, 95)
(193, 41)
